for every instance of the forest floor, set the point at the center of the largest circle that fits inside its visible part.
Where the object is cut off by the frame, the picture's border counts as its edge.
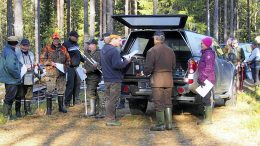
(233, 125)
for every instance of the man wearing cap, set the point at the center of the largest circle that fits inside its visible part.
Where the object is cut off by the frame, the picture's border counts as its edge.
(55, 79)
(10, 74)
(254, 60)
(73, 80)
(25, 90)
(112, 65)
(206, 69)
(160, 61)
(93, 74)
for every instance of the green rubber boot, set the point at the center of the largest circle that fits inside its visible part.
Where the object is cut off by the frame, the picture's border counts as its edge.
(113, 123)
(7, 111)
(168, 118)
(207, 117)
(160, 120)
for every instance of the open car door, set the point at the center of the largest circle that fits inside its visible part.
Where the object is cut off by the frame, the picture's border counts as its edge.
(152, 21)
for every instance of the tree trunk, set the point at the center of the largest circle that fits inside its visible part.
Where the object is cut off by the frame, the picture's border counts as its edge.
(37, 30)
(110, 24)
(136, 7)
(86, 21)
(208, 18)
(256, 14)
(92, 19)
(10, 19)
(104, 15)
(126, 13)
(232, 18)
(236, 16)
(225, 20)
(155, 7)
(18, 18)
(248, 29)
(100, 18)
(216, 20)
(68, 18)
(60, 17)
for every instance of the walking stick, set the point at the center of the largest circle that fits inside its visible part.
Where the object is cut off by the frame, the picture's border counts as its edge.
(242, 72)
(85, 92)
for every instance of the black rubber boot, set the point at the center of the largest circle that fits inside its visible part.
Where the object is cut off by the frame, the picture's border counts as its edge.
(60, 102)
(27, 108)
(168, 118)
(159, 126)
(18, 109)
(7, 111)
(49, 105)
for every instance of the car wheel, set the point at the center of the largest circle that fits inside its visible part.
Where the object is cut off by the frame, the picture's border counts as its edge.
(138, 106)
(232, 100)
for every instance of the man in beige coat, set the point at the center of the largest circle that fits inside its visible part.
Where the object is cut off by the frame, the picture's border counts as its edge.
(160, 62)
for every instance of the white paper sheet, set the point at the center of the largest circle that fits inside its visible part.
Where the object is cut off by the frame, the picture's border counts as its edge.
(203, 90)
(81, 73)
(131, 54)
(23, 70)
(60, 67)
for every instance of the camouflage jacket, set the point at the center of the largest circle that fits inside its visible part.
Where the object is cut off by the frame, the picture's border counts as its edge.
(91, 70)
(57, 55)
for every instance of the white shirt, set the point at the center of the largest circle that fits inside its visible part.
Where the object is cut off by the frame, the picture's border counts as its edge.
(255, 55)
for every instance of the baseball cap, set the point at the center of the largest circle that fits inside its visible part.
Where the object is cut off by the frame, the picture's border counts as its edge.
(93, 41)
(12, 39)
(107, 34)
(74, 33)
(25, 42)
(55, 35)
(159, 33)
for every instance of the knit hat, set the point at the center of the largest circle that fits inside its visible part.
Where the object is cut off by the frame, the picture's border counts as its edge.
(207, 41)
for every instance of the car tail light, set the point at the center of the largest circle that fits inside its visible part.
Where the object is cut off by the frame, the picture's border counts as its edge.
(192, 66)
(180, 90)
(125, 89)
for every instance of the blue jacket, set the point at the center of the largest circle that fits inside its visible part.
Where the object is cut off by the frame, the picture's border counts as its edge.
(112, 64)
(10, 67)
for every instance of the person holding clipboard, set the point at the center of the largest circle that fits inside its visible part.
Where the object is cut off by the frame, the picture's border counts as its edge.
(206, 70)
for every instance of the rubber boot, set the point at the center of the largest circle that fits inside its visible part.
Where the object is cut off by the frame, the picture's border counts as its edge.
(168, 118)
(27, 108)
(49, 105)
(159, 126)
(92, 107)
(18, 109)
(7, 111)
(101, 109)
(60, 103)
(121, 103)
(207, 116)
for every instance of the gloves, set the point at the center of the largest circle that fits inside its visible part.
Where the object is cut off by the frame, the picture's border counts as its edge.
(201, 82)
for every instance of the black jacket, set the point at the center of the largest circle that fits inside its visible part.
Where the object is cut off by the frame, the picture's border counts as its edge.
(73, 49)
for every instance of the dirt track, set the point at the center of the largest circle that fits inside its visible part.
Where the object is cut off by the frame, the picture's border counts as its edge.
(75, 129)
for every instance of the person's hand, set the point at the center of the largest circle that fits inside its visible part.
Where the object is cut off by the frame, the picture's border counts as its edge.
(53, 64)
(201, 83)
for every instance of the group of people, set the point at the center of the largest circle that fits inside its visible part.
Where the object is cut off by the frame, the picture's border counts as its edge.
(65, 84)
(235, 54)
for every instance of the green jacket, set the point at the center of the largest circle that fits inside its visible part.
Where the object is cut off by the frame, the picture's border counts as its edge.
(10, 67)
(92, 72)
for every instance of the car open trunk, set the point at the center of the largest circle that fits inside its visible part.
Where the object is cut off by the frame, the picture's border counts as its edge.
(142, 41)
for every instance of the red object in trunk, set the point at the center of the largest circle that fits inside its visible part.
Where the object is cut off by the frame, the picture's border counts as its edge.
(192, 67)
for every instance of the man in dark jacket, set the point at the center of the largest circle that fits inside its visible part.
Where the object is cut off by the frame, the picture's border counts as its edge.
(10, 70)
(206, 70)
(73, 80)
(160, 61)
(93, 75)
(112, 65)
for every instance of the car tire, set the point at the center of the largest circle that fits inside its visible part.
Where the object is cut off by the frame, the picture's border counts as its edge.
(232, 100)
(138, 106)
